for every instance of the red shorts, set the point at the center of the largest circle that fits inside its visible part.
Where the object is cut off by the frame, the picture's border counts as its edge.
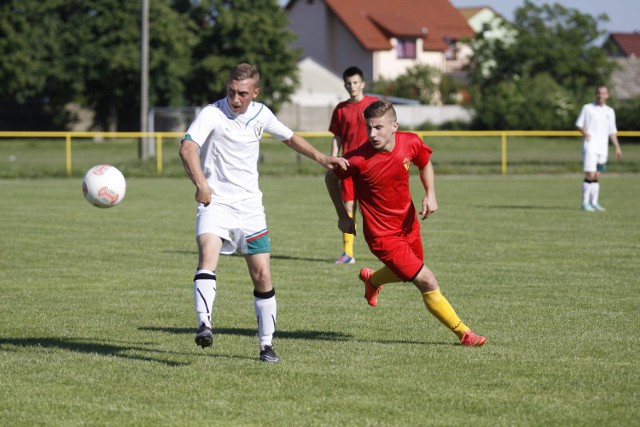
(346, 189)
(402, 253)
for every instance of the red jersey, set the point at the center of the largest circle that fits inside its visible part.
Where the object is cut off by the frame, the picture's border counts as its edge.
(348, 122)
(381, 182)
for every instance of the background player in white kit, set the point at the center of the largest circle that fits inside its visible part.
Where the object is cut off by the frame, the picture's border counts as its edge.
(220, 155)
(597, 123)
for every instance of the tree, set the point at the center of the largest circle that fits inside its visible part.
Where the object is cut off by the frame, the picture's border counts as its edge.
(71, 51)
(551, 66)
(420, 82)
(233, 31)
(627, 114)
(88, 53)
(29, 47)
(102, 56)
(537, 102)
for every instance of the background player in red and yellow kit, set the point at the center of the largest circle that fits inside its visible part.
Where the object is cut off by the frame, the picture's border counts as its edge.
(348, 128)
(380, 173)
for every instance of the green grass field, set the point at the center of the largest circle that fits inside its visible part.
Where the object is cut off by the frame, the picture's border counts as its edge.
(97, 319)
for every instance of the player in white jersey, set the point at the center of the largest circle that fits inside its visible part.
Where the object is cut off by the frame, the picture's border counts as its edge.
(220, 155)
(597, 123)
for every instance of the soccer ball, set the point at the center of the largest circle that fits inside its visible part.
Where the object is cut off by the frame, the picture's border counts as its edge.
(104, 186)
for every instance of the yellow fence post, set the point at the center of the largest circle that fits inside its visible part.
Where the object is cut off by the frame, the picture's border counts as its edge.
(68, 135)
(68, 149)
(159, 154)
(504, 153)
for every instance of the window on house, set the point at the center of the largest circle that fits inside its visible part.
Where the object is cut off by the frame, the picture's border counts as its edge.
(452, 52)
(406, 48)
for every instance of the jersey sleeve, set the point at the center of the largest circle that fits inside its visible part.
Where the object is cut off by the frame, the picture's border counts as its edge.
(334, 125)
(612, 123)
(276, 128)
(202, 126)
(580, 121)
(422, 152)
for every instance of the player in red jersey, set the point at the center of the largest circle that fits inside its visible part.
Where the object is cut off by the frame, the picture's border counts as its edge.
(380, 172)
(348, 128)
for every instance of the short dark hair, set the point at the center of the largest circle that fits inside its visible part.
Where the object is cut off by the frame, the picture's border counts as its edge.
(245, 71)
(352, 71)
(379, 109)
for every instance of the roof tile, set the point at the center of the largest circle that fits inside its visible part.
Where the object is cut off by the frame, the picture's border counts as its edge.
(629, 43)
(372, 22)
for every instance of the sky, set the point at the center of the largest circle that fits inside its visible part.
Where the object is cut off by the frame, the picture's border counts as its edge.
(624, 15)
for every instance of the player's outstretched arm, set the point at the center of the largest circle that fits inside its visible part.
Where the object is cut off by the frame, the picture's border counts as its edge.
(304, 147)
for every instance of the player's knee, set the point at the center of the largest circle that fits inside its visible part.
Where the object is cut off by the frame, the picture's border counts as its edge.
(426, 281)
(262, 280)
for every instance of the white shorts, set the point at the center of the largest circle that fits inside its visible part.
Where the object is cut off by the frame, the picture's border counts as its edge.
(242, 227)
(593, 162)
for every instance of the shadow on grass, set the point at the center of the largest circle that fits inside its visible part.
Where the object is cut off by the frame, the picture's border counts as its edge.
(273, 256)
(414, 342)
(527, 207)
(85, 346)
(305, 335)
(297, 258)
(297, 335)
(177, 252)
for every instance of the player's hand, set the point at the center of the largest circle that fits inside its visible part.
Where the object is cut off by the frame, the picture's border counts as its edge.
(347, 225)
(618, 153)
(429, 206)
(332, 162)
(203, 195)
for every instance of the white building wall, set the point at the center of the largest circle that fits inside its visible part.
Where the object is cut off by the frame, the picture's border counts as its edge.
(316, 118)
(347, 50)
(318, 85)
(322, 36)
(387, 64)
(308, 20)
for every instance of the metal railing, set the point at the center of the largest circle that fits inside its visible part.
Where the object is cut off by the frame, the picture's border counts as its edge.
(159, 136)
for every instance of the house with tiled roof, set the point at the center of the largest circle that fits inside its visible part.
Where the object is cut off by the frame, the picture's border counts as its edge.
(478, 17)
(624, 49)
(485, 20)
(384, 38)
(623, 45)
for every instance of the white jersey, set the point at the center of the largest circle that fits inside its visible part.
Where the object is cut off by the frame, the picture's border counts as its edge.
(599, 121)
(230, 147)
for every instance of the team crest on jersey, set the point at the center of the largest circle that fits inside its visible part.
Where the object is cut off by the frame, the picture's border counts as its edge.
(258, 128)
(406, 163)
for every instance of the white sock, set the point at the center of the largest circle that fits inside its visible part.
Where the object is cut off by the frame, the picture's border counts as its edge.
(595, 192)
(204, 292)
(266, 309)
(586, 192)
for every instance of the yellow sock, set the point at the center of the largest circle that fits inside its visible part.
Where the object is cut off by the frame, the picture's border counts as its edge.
(348, 240)
(383, 276)
(438, 305)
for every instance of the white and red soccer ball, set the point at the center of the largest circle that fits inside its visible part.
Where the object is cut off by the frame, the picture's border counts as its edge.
(104, 186)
